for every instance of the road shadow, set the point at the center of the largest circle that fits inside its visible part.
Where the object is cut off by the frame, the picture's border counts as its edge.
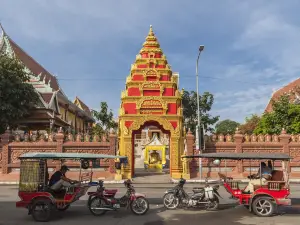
(294, 209)
(225, 216)
(123, 213)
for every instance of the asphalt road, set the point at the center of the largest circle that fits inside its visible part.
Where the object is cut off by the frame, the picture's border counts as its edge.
(78, 213)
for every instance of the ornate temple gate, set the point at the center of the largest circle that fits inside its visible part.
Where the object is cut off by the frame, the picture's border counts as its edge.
(151, 97)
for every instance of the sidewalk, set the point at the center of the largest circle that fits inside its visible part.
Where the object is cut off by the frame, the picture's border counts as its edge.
(13, 179)
(171, 181)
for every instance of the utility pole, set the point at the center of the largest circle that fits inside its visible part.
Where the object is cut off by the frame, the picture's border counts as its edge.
(198, 130)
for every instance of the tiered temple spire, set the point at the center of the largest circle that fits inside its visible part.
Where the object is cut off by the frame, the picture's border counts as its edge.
(151, 44)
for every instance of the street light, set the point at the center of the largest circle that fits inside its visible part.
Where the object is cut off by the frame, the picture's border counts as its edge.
(201, 48)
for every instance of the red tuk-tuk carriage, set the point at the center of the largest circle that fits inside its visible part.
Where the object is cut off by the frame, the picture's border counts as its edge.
(265, 198)
(38, 197)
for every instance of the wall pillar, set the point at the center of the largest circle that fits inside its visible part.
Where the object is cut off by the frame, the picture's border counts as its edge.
(59, 147)
(284, 139)
(112, 151)
(238, 139)
(190, 141)
(6, 138)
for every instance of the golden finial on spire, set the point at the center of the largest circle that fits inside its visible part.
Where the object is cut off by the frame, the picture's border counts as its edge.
(151, 33)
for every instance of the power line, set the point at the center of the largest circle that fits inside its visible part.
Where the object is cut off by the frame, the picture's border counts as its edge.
(182, 77)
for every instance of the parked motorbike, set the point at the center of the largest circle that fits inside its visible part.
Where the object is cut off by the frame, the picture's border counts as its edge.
(104, 200)
(177, 197)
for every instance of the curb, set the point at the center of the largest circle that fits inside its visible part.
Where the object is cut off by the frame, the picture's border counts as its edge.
(172, 181)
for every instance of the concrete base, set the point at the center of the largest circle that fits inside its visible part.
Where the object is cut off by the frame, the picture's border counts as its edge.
(176, 175)
(186, 176)
(118, 176)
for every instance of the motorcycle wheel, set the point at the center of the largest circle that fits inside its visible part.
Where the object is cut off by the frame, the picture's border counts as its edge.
(139, 203)
(212, 205)
(170, 201)
(96, 202)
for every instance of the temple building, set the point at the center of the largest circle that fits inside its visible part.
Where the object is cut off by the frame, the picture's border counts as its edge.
(291, 89)
(54, 109)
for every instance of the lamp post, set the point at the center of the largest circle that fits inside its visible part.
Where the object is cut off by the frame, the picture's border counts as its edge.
(201, 48)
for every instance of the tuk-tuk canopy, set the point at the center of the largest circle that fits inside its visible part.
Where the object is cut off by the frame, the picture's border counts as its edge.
(240, 156)
(74, 156)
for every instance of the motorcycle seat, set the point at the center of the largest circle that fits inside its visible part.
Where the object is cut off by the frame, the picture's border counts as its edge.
(111, 191)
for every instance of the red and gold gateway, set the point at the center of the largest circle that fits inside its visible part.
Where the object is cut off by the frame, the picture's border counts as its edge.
(151, 98)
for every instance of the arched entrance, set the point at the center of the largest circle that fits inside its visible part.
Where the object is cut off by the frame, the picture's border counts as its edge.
(151, 97)
(150, 132)
(126, 143)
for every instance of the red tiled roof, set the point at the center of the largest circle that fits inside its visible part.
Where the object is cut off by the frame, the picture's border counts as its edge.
(84, 106)
(281, 91)
(33, 65)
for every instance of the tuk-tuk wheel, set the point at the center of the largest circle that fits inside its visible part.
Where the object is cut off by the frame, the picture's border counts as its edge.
(263, 206)
(41, 210)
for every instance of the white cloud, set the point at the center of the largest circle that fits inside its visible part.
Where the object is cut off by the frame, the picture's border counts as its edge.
(270, 37)
(270, 49)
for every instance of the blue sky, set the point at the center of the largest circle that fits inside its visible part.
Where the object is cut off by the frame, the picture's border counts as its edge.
(251, 47)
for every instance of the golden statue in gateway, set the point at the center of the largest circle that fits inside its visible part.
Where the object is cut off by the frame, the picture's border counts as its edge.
(154, 160)
(154, 157)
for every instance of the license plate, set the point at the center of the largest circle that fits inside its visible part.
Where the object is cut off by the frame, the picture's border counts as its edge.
(117, 206)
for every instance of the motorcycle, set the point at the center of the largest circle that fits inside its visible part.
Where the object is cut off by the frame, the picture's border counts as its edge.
(177, 197)
(104, 200)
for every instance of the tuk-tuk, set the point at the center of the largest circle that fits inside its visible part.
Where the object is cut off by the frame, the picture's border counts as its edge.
(34, 191)
(268, 193)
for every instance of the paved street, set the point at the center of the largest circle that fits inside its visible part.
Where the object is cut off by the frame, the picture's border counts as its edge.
(78, 214)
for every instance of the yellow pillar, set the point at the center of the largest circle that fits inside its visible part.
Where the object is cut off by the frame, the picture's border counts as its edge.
(185, 167)
(175, 151)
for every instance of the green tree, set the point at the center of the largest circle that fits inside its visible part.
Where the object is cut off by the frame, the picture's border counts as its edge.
(226, 127)
(189, 102)
(17, 96)
(104, 120)
(284, 115)
(250, 124)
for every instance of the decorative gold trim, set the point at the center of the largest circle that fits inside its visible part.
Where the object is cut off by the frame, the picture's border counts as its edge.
(153, 98)
(132, 99)
(138, 83)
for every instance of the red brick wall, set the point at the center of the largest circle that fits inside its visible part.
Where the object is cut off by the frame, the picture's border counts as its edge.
(12, 148)
(283, 143)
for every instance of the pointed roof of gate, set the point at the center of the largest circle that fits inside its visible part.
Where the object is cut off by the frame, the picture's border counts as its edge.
(151, 44)
(155, 141)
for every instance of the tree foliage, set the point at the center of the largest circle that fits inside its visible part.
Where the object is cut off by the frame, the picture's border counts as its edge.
(189, 102)
(17, 97)
(250, 124)
(104, 120)
(284, 115)
(226, 127)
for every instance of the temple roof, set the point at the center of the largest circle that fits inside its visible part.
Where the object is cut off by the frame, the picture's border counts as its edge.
(81, 105)
(155, 141)
(39, 71)
(43, 81)
(287, 89)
